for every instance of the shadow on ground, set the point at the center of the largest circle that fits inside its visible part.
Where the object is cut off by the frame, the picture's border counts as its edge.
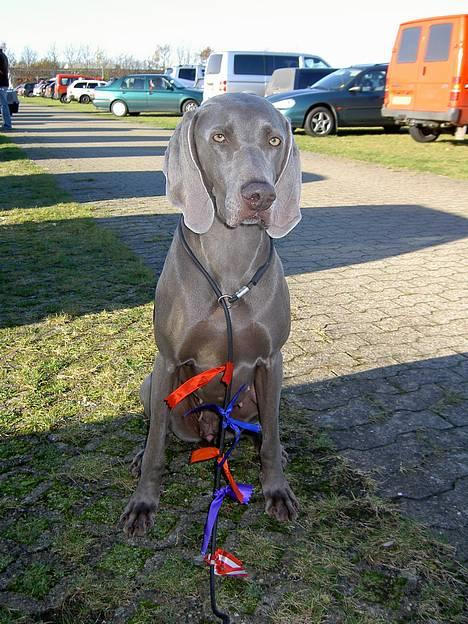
(376, 232)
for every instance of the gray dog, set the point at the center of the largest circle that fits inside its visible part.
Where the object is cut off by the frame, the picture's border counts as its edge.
(233, 169)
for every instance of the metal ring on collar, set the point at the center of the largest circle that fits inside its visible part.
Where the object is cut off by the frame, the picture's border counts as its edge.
(228, 299)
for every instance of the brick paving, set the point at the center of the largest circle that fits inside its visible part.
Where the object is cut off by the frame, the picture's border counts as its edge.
(378, 354)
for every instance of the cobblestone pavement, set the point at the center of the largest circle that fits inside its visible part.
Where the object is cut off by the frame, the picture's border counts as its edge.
(377, 272)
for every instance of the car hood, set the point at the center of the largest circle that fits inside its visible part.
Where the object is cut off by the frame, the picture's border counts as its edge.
(298, 93)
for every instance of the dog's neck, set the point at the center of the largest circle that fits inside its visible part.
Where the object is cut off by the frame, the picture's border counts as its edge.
(231, 255)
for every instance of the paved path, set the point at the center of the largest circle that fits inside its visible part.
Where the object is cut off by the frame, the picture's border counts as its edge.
(377, 272)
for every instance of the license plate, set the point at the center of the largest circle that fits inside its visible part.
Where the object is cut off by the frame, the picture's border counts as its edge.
(401, 100)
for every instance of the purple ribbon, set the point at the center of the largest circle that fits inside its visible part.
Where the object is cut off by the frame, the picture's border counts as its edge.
(218, 497)
(237, 426)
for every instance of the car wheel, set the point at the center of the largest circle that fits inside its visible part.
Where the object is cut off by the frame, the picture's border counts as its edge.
(320, 122)
(119, 108)
(421, 134)
(63, 98)
(189, 105)
(85, 99)
(134, 114)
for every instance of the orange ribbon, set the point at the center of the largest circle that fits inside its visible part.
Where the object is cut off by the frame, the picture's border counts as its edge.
(198, 381)
(211, 452)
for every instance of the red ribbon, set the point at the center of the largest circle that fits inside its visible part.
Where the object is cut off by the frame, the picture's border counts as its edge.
(198, 381)
(211, 452)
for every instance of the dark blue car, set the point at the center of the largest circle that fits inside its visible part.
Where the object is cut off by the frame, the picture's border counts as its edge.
(348, 97)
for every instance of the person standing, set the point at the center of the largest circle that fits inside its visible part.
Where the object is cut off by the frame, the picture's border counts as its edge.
(4, 84)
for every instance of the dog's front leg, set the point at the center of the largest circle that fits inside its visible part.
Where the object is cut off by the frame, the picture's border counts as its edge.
(138, 515)
(280, 502)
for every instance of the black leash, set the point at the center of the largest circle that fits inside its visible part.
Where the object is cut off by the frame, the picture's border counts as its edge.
(225, 301)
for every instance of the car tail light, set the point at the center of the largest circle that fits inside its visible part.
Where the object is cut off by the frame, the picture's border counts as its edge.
(223, 86)
(455, 90)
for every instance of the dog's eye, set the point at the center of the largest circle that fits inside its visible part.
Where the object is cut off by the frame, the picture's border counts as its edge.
(219, 138)
(275, 141)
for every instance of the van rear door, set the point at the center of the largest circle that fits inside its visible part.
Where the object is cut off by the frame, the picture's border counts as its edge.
(404, 69)
(438, 64)
(215, 77)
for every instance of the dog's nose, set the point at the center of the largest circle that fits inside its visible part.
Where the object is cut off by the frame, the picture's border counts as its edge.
(258, 195)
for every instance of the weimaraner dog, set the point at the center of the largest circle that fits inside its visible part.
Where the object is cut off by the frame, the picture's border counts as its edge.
(233, 169)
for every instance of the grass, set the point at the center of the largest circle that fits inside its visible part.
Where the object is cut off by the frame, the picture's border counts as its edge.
(159, 120)
(75, 343)
(443, 157)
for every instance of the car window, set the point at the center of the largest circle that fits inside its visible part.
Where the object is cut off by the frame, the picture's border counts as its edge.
(372, 81)
(409, 44)
(66, 81)
(338, 79)
(249, 64)
(438, 45)
(92, 85)
(313, 62)
(156, 82)
(187, 73)
(278, 61)
(79, 85)
(214, 64)
(133, 82)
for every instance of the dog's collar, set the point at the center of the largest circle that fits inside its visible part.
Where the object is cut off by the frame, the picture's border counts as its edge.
(243, 290)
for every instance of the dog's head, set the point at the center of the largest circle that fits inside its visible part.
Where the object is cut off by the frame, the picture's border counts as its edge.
(235, 155)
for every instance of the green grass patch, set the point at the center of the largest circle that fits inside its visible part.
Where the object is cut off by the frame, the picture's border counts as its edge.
(158, 120)
(443, 157)
(75, 343)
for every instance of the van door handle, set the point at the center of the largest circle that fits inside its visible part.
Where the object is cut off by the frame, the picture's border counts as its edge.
(424, 71)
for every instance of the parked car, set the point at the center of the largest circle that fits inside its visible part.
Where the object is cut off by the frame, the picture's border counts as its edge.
(63, 81)
(49, 89)
(139, 93)
(348, 97)
(188, 75)
(13, 102)
(83, 90)
(25, 89)
(249, 72)
(427, 83)
(295, 78)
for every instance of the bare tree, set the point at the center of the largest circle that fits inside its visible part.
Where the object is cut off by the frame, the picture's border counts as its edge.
(184, 55)
(52, 56)
(165, 54)
(205, 53)
(28, 56)
(71, 56)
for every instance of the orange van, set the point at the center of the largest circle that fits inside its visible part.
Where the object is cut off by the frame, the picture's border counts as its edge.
(427, 79)
(63, 81)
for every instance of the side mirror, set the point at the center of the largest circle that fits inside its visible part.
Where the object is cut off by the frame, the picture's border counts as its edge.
(355, 89)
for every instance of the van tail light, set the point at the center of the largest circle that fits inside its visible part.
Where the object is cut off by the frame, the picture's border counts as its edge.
(455, 90)
(223, 86)
(386, 95)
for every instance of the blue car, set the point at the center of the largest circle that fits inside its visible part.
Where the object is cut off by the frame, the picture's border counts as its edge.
(138, 93)
(348, 97)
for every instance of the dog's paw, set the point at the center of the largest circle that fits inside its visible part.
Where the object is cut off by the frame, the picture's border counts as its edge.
(280, 503)
(135, 467)
(138, 516)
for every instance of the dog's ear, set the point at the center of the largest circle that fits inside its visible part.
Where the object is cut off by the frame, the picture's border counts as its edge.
(285, 211)
(185, 188)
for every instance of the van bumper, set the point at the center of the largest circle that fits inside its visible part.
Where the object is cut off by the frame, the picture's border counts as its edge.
(451, 115)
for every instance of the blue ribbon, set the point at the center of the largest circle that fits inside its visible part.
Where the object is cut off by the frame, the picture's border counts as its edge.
(224, 413)
(215, 506)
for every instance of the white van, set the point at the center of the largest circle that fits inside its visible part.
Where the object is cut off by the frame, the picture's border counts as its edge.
(250, 72)
(188, 75)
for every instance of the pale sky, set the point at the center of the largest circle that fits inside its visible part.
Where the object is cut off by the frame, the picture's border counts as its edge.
(357, 31)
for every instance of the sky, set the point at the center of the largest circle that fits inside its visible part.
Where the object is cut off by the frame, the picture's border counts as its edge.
(357, 31)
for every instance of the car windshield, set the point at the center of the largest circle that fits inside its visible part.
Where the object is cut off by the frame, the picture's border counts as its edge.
(338, 79)
(174, 82)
